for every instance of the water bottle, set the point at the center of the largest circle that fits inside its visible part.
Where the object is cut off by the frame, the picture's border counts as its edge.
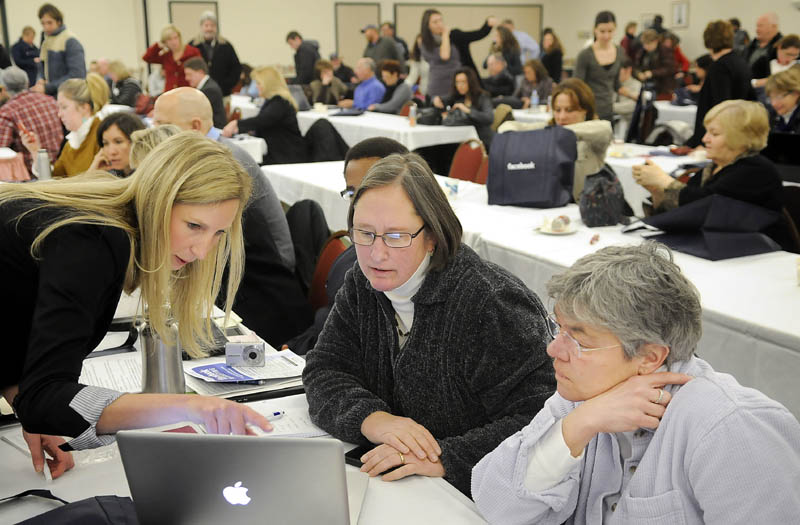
(162, 368)
(535, 100)
(42, 164)
(412, 115)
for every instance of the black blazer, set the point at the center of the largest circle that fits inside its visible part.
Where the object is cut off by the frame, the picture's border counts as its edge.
(223, 63)
(277, 124)
(213, 93)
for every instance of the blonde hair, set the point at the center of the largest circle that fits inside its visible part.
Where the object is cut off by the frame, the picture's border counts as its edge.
(168, 30)
(184, 169)
(786, 81)
(272, 83)
(746, 124)
(144, 140)
(119, 69)
(92, 91)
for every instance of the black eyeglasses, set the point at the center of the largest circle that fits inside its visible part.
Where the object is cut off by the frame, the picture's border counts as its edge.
(348, 193)
(390, 239)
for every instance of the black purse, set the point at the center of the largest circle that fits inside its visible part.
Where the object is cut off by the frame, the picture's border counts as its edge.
(429, 116)
(456, 117)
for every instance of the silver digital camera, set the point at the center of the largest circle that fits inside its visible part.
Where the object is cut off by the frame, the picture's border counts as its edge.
(244, 354)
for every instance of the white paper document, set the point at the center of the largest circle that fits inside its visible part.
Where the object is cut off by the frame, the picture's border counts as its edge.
(121, 372)
(295, 422)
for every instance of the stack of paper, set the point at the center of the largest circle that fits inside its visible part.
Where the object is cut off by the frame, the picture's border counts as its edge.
(212, 377)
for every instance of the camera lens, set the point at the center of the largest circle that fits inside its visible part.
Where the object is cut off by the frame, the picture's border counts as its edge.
(252, 355)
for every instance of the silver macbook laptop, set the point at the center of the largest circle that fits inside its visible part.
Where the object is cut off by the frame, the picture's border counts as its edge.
(210, 479)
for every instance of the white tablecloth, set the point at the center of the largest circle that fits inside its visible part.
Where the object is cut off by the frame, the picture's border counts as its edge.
(416, 499)
(245, 104)
(750, 304)
(667, 112)
(370, 124)
(623, 157)
(255, 146)
(529, 115)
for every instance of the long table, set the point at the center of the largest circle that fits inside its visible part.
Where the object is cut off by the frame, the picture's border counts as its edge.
(354, 129)
(750, 304)
(423, 500)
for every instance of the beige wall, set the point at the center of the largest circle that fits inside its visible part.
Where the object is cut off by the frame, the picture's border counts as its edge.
(257, 28)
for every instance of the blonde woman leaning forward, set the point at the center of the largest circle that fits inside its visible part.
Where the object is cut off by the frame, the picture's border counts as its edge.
(276, 122)
(82, 104)
(70, 247)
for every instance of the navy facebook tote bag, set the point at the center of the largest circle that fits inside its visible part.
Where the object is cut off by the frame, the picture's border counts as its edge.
(534, 169)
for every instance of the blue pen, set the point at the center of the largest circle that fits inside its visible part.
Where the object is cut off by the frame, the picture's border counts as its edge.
(272, 416)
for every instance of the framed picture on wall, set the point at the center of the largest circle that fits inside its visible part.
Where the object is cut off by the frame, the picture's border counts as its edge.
(680, 13)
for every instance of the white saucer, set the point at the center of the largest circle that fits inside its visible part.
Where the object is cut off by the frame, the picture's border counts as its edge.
(571, 228)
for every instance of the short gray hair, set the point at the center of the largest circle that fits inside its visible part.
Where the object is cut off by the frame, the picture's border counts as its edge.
(369, 62)
(412, 173)
(208, 15)
(14, 79)
(636, 292)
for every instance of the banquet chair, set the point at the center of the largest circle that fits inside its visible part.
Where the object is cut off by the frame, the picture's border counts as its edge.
(333, 247)
(483, 171)
(406, 108)
(309, 231)
(467, 160)
(791, 213)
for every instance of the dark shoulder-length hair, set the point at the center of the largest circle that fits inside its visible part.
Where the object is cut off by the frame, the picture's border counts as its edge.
(413, 174)
(126, 122)
(508, 42)
(475, 90)
(428, 42)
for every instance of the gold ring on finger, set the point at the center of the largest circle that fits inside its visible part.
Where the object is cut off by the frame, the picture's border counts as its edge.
(402, 459)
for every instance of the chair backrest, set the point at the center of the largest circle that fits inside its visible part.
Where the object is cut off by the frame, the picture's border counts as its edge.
(406, 108)
(791, 213)
(483, 171)
(467, 160)
(644, 116)
(502, 113)
(324, 142)
(309, 231)
(333, 247)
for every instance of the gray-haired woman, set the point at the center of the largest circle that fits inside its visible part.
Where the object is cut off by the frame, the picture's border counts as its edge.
(640, 430)
(430, 353)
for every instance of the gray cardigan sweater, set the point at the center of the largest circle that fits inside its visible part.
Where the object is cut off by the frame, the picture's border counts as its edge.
(722, 453)
(473, 370)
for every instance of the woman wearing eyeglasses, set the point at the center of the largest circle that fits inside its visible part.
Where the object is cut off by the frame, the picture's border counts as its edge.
(430, 354)
(640, 429)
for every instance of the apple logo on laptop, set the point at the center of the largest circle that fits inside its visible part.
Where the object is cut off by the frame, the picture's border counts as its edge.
(236, 495)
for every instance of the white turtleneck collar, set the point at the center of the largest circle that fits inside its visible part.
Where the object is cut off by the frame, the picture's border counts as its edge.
(401, 297)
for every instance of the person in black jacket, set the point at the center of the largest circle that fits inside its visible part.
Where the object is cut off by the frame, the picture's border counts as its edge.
(552, 54)
(767, 35)
(124, 88)
(306, 54)
(68, 252)
(736, 131)
(342, 71)
(467, 97)
(500, 82)
(196, 72)
(26, 54)
(276, 122)
(728, 77)
(430, 384)
(219, 54)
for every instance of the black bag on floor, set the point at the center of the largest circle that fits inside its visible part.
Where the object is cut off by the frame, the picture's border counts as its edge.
(603, 201)
(532, 168)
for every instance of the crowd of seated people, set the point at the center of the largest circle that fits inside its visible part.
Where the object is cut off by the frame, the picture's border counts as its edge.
(598, 410)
